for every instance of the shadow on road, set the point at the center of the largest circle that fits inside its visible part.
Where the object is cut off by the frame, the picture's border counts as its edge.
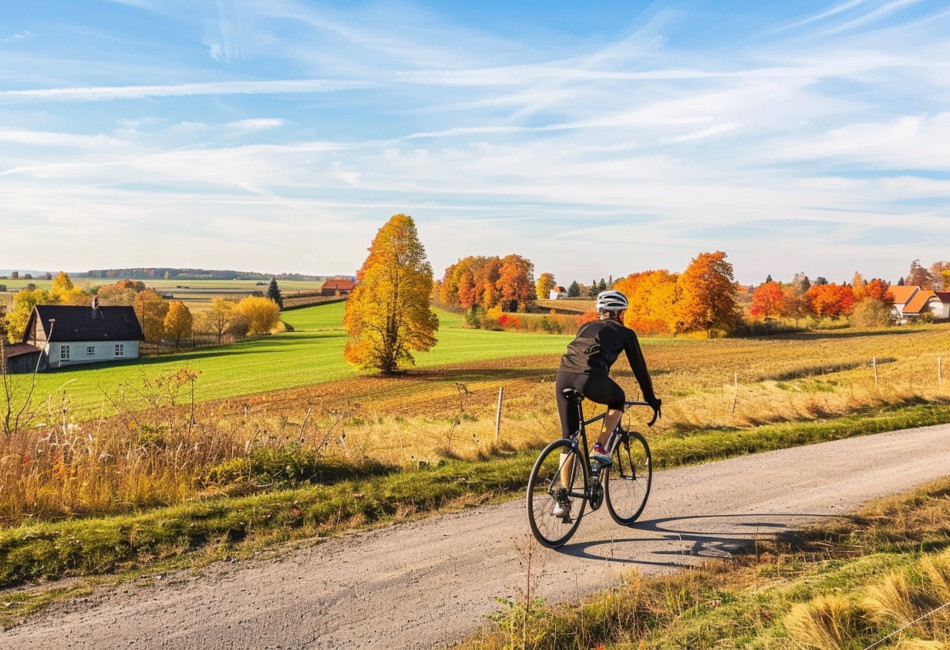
(660, 542)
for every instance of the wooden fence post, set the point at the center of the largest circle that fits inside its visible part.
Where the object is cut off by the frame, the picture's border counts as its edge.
(874, 365)
(735, 381)
(939, 373)
(501, 393)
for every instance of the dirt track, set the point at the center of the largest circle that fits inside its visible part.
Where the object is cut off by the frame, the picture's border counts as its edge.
(424, 584)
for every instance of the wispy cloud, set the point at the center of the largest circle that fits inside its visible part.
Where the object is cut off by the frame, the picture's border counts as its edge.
(48, 139)
(257, 124)
(19, 36)
(110, 93)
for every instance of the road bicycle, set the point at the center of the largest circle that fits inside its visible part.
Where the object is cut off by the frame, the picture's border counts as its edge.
(565, 480)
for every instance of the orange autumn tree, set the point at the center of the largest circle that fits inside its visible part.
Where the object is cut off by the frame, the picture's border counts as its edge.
(489, 282)
(652, 296)
(515, 282)
(831, 300)
(388, 315)
(709, 299)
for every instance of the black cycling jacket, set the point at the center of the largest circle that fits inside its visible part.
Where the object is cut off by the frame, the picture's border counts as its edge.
(596, 347)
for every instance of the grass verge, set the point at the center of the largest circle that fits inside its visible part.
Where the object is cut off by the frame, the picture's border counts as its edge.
(880, 579)
(200, 530)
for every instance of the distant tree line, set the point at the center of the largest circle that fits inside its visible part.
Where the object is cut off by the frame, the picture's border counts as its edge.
(166, 273)
(161, 319)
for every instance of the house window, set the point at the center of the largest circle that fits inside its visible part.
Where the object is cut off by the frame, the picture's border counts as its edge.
(120, 349)
(64, 352)
(90, 350)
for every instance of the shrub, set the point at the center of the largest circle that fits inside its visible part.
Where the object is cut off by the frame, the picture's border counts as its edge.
(871, 312)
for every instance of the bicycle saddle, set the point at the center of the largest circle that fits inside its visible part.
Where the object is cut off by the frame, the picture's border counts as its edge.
(572, 395)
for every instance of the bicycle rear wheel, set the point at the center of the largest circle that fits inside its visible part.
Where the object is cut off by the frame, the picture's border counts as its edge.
(627, 482)
(549, 486)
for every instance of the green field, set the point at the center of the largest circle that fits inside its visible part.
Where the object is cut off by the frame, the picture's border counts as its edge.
(312, 353)
(196, 294)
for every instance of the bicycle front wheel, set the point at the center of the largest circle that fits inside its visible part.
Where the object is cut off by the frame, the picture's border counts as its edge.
(555, 494)
(628, 478)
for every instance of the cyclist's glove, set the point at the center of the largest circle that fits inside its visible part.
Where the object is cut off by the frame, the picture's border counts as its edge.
(656, 403)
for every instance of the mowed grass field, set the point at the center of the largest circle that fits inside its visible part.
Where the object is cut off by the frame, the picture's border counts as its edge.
(312, 353)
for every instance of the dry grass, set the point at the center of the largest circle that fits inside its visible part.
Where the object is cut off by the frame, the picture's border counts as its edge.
(164, 454)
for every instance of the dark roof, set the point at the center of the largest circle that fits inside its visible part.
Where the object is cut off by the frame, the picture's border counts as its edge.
(18, 349)
(78, 324)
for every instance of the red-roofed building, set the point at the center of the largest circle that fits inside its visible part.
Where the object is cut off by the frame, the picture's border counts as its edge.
(911, 302)
(337, 287)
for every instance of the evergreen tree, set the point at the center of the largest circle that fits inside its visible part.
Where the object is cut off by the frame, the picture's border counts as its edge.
(273, 292)
(574, 291)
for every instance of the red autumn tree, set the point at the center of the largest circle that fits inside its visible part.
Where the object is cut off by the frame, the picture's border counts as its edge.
(768, 301)
(831, 300)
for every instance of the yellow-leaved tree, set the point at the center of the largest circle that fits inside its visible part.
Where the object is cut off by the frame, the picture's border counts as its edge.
(151, 308)
(544, 285)
(178, 322)
(388, 313)
(262, 314)
(64, 292)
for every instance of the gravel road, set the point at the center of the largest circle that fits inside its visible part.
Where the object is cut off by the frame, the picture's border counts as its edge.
(426, 583)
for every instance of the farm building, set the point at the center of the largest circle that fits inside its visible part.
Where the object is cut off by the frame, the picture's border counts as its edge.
(337, 287)
(911, 302)
(20, 358)
(71, 335)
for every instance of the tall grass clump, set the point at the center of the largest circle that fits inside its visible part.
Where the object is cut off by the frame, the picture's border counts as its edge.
(828, 622)
(162, 455)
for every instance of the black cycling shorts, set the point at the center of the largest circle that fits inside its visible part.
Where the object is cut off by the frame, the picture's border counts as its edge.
(597, 388)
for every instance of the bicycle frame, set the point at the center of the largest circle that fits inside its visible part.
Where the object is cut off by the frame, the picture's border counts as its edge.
(623, 484)
(579, 442)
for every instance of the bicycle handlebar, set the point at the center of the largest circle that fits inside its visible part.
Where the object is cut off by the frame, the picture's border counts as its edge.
(656, 411)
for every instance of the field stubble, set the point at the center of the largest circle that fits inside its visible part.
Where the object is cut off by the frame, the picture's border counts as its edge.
(178, 449)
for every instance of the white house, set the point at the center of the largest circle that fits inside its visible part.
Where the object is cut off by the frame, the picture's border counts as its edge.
(71, 335)
(557, 293)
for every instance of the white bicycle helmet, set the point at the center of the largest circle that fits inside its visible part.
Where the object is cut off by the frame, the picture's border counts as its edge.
(611, 301)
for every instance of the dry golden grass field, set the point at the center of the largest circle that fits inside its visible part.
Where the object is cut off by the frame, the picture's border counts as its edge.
(165, 453)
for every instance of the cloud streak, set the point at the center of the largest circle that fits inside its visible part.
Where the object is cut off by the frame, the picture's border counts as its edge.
(643, 145)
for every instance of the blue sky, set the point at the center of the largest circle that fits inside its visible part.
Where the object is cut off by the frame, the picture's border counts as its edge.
(596, 139)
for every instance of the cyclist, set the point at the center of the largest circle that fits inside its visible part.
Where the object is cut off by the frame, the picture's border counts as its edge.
(586, 366)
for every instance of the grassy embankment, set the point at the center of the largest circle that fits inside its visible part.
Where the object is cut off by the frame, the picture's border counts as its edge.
(169, 481)
(880, 579)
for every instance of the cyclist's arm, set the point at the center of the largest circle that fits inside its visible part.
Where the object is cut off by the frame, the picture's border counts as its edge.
(639, 367)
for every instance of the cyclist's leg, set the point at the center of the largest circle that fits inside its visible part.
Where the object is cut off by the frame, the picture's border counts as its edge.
(604, 390)
(568, 413)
